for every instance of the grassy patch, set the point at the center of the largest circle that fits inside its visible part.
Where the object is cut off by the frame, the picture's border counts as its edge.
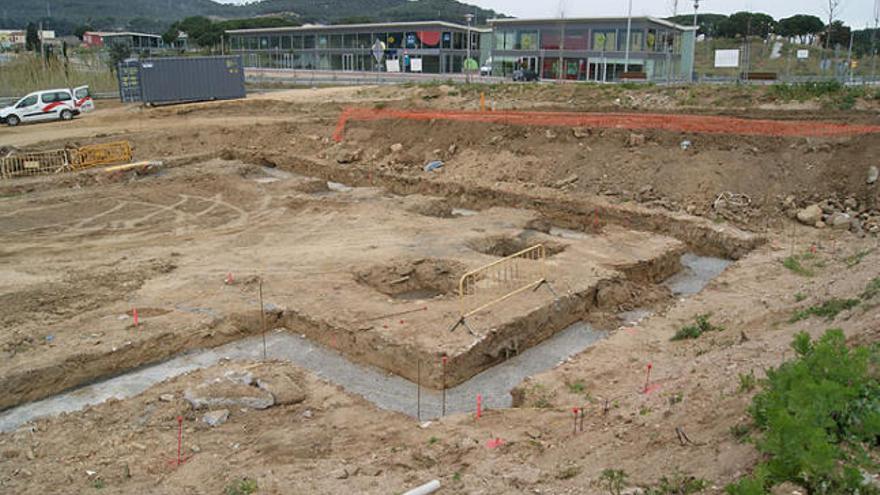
(613, 480)
(800, 296)
(747, 381)
(677, 484)
(26, 73)
(433, 440)
(828, 310)
(794, 264)
(740, 432)
(241, 487)
(872, 290)
(857, 258)
(701, 325)
(819, 419)
(568, 473)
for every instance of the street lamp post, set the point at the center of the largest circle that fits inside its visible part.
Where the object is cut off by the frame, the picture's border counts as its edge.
(470, 19)
(629, 20)
(696, 8)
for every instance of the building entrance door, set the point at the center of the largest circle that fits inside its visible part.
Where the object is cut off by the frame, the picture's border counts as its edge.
(530, 63)
(598, 71)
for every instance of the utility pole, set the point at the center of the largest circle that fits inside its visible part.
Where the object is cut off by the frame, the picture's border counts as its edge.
(696, 9)
(560, 72)
(629, 21)
(874, 40)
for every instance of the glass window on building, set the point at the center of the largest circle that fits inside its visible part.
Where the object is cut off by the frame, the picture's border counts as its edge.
(365, 40)
(475, 41)
(551, 39)
(309, 42)
(285, 43)
(526, 40)
(349, 40)
(235, 43)
(605, 41)
(652, 41)
(447, 40)
(324, 61)
(323, 41)
(576, 39)
(296, 42)
(636, 40)
(458, 41)
(412, 41)
(431, 64)
(264, 42)
(395, 40)
(274, 42)
(676, 42)
(336, 42)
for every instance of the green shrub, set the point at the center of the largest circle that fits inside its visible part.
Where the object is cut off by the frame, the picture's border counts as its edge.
(614, 480)
(806, 91)
(242, 487)
(828, 310)
(819, 419)
(747, 382)
(701, 325)
(677, 484)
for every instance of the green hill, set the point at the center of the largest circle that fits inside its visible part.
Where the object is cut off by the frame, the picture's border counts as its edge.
(157, 15)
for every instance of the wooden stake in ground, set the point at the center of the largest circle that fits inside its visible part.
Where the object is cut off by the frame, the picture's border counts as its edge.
(263, 318)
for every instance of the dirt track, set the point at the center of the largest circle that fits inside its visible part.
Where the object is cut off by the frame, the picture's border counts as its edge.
(82, 250)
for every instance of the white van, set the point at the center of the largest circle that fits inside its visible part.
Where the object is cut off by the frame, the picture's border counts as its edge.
(51, 104)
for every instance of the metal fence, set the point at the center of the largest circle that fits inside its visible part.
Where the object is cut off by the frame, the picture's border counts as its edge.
(57, 161)
(498, 281)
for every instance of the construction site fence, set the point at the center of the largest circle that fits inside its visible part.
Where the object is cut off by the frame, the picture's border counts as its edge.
(498, 281)
(52, 162)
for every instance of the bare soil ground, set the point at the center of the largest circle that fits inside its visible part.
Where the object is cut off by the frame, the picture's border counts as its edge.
(80, 251)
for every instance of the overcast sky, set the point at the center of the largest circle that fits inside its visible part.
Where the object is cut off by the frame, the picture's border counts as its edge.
(854, 12)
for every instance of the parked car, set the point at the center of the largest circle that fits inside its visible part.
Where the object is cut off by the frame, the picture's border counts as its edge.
(50, 104)
(525, 75)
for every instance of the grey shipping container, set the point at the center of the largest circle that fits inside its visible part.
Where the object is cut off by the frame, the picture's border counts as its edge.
(181, 79)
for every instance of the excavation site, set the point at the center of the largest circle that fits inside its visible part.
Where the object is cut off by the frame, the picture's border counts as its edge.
(368, 288)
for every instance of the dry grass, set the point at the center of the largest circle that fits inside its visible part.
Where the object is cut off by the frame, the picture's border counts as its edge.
(26, 73)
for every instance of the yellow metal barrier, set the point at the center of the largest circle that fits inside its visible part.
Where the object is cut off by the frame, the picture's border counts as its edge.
(491, 284)
(100, 154)
(56, 161)
(36, 163)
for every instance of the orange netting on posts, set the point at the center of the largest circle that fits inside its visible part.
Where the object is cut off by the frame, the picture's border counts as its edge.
(701, 124)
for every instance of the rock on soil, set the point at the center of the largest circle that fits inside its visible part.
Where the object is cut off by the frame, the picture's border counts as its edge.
(216, 418)
(234, 389)
(810, 215)
(873, 174)
(285, 386)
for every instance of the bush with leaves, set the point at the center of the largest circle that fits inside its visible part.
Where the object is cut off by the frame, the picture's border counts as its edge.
(819, 417)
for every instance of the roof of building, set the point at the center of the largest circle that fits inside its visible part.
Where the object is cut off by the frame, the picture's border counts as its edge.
(656, 20)
(339, 27)
(104, 34)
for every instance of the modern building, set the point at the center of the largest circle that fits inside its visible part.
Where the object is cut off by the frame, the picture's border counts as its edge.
(594, 49)
(577, 49)
(432, 47)
(138, 42)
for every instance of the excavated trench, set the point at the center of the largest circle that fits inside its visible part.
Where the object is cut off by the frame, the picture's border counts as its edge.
(387, 391)
(496, 373)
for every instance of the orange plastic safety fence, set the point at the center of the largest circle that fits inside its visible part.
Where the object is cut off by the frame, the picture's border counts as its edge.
(701, 124)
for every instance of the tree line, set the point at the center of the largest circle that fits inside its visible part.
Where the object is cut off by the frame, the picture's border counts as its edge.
(804, 29)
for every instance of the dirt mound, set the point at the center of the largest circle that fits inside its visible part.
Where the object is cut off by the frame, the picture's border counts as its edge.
(417, 279)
